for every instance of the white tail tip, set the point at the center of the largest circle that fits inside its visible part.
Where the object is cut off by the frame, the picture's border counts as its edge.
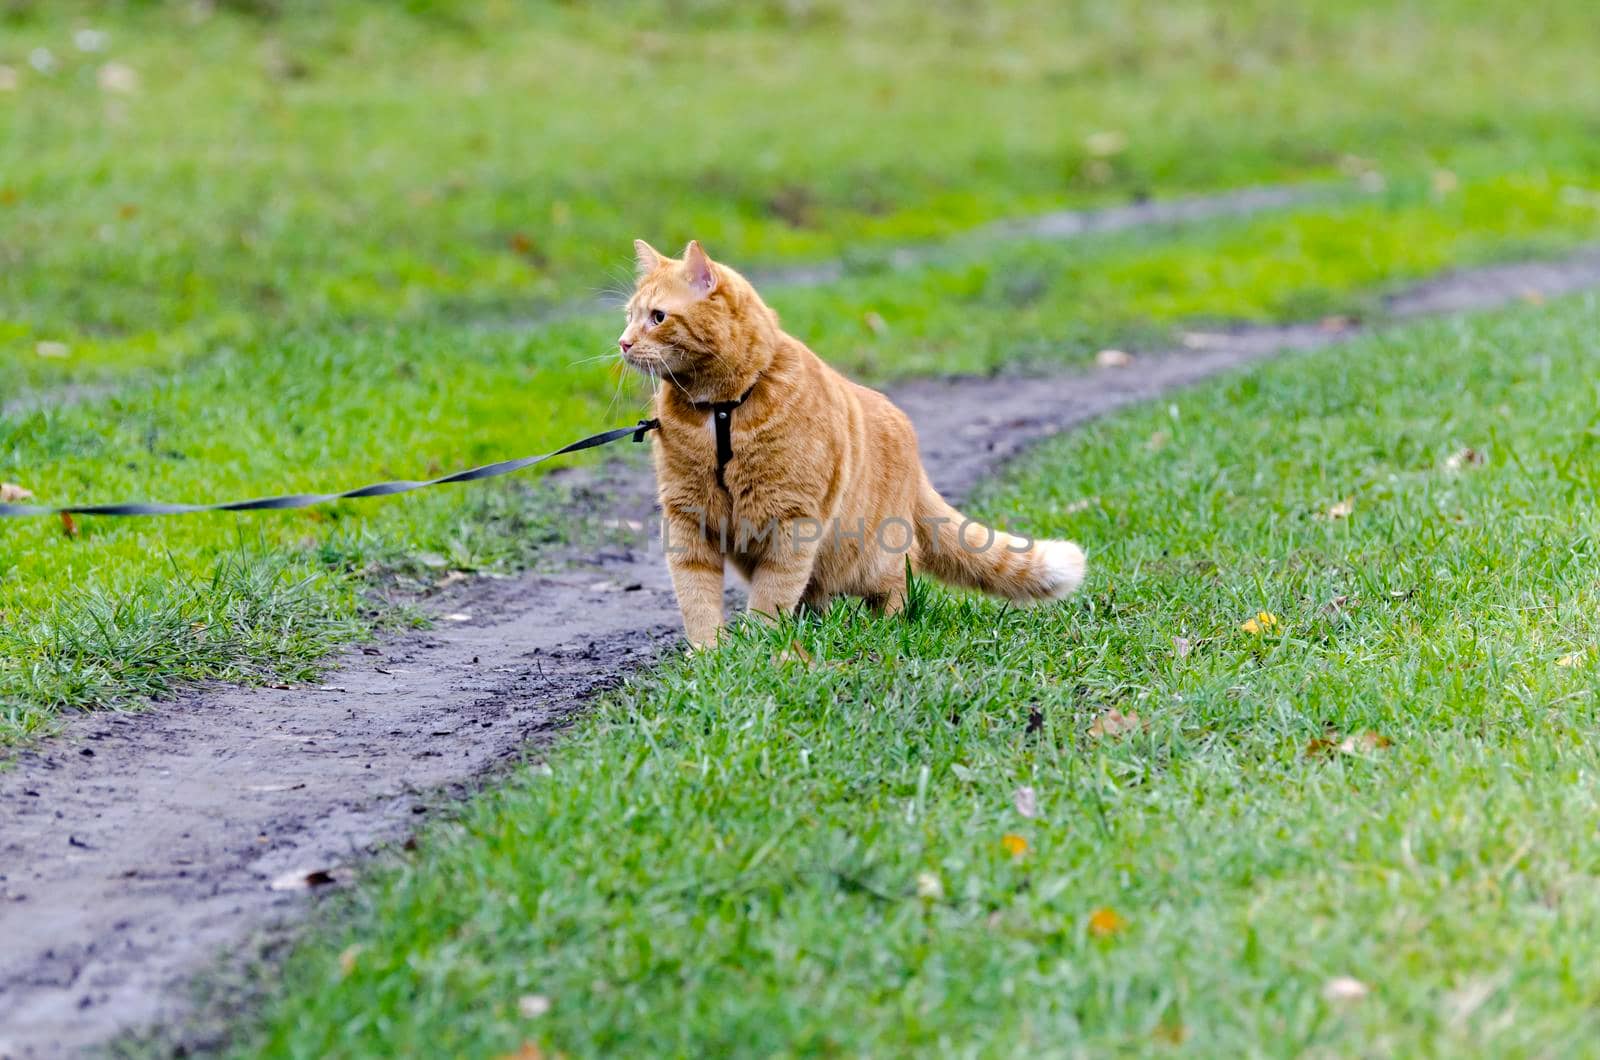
(1064, 567)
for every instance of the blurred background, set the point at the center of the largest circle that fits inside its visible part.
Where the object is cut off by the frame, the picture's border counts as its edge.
(177, 173)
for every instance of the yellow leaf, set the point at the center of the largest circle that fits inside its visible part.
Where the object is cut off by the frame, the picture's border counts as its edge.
(796, 653)
(1105, 922)
(1344, 988)
(1341, 510)
(1114, 723)
(1363, 743)
(1263, 622)
(1170, 1033)
(1571, 660)
(1106, 143)
(1015, 845)
(347, 958)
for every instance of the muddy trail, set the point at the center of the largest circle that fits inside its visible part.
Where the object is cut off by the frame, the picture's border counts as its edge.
(135, 849)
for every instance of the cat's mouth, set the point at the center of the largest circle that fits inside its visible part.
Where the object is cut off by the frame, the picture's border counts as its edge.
(643, 362)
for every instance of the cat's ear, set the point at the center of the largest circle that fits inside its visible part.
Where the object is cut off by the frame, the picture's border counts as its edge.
(702, 277)
(646, 256)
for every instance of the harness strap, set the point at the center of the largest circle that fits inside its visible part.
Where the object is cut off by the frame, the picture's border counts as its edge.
(722, 421)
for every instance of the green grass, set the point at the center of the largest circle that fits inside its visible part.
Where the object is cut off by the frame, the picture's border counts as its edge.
(312, 247)
(724, 858)
(283, 163)
(340, 405)
(439, 396)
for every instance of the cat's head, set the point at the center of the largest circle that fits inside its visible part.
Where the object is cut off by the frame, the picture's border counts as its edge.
(694, 322)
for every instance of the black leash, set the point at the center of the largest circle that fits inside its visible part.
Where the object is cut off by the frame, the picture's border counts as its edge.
(380, 489)
(722, 411)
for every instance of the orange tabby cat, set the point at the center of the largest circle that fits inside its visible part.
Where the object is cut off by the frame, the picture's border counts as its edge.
(811, 485)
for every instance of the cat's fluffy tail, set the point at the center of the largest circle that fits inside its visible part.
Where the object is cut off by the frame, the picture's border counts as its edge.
(961, 552)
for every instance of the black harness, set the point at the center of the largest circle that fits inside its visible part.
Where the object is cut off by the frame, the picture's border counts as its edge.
(722, 419)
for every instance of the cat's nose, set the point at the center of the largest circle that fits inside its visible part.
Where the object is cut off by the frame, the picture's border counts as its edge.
(625, 344)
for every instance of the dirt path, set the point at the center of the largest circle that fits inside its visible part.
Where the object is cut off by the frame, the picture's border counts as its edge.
(135, 849)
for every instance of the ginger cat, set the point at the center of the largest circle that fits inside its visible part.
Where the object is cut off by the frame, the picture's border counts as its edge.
(811, 485)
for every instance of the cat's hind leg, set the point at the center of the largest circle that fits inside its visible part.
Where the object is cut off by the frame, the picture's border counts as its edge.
(888, 596)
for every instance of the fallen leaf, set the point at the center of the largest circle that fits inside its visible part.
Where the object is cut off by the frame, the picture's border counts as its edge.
(1363, 743)
(1571, 660)
(1014, 844)
(1170, 1033)
(1344, 988)
(1106, 143)
(11, 493)
(929, 886)
(529, 1051)
(1263, 622)
(1081, 505)
(1322, 746)
(520, 243)
(532, 1006)
(1202, 340)
(1026, 802)
(875, 322)
(1105, 922)
(1114, 723)
(302, 880)
(1336, 323)
(89, 39)
(1158, 441)
(52, 350)
(1181, 647)
(1444, 182)
(1533, 297)
(69, 525)
(1335, 607)
(1341, 510)
(347, 958)
(1463, 458)
(119, 78)
(1113, 359)
(796, 653)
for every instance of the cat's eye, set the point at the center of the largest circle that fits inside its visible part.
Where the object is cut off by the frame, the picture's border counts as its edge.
(657, 316)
